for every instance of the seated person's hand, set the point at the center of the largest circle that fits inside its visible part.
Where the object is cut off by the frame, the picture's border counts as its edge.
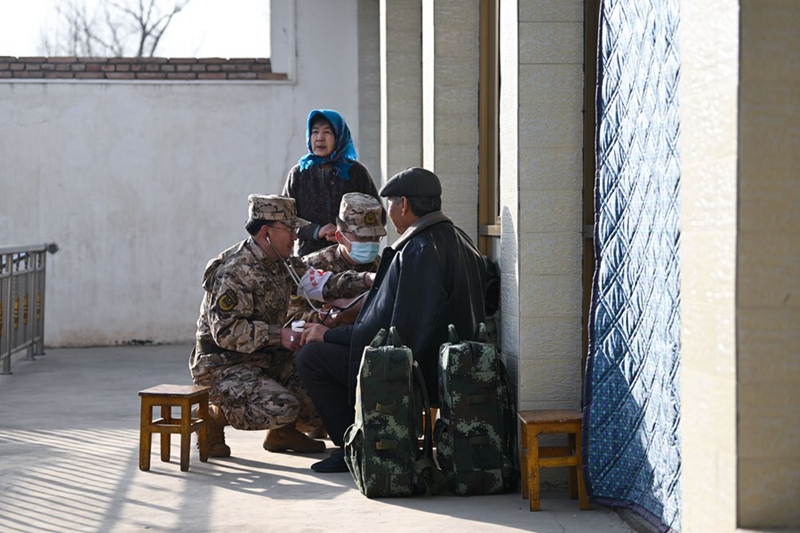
(336, 304)
(369, 279)
(327, 233)
(329, 312)
(331, 317)
(336, 312)
(290, 339)
(314, 333)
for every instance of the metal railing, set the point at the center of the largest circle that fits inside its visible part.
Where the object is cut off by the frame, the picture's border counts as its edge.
(22, 285)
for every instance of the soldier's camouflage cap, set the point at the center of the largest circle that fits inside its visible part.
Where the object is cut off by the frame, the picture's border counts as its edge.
(274, 207)
(362, 214)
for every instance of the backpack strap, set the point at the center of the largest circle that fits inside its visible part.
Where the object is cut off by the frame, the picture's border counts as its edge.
(427, 438)
(452, 334)
(378, 339)
(481, 335)
(429, 477)
(394, 337)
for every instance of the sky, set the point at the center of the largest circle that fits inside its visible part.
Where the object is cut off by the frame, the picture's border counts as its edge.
(205, 28)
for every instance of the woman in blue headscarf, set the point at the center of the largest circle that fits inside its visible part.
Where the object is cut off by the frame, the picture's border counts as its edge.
(321, 177)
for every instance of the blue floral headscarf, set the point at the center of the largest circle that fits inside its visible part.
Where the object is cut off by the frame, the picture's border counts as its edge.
(343, 152)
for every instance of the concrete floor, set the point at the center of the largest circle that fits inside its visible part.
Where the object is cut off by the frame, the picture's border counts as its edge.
(69, 462)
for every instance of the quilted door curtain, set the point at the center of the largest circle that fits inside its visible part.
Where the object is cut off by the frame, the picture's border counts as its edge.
(632, 454)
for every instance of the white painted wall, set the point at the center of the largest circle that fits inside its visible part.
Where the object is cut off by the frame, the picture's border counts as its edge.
(140, 183)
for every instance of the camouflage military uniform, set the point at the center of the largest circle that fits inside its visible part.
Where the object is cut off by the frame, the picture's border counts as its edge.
(331, 260)
(363, 216)
(239, 353)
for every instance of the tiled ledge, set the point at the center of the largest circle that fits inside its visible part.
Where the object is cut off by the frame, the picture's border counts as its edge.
(133, 68)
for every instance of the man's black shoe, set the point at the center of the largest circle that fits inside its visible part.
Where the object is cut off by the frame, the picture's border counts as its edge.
(334, 463)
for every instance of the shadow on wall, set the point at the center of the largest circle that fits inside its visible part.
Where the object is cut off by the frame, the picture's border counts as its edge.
(509, 246)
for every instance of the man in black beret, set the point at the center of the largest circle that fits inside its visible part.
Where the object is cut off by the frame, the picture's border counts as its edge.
(432, 276)
(413, 182)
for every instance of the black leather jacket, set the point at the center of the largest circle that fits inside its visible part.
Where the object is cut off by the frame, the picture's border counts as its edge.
(431, 277)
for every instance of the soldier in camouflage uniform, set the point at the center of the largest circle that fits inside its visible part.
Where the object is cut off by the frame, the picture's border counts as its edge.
(243, 351)
(359, 228)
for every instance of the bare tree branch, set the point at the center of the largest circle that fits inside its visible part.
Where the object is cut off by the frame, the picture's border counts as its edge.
(116, 46)
(162, 24)
(124, 28)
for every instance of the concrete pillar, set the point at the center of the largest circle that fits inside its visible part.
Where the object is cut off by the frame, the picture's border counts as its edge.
(541, 192)
(709, 86)
(401, 79)
(283, 47)
(450, 77)
(401, 96)
(768, 266)
(369, 88)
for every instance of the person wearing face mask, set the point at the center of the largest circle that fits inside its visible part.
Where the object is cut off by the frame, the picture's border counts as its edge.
(320, 178)
(360, 225)
(244, 350)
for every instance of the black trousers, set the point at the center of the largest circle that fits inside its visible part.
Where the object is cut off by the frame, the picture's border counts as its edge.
(324, 369)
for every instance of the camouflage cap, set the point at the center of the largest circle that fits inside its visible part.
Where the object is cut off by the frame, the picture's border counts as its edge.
(273, 207)
(362, 214)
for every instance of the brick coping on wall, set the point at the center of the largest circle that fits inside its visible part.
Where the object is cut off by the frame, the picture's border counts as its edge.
(137, 68)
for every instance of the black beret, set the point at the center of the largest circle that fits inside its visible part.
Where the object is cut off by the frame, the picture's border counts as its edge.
(413, 181)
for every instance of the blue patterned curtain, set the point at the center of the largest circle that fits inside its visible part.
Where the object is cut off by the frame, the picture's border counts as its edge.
(632, 448)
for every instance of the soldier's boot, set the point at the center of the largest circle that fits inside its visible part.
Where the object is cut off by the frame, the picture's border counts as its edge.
(290, 438)
(215, 431)
(318, 432)
(315, 432)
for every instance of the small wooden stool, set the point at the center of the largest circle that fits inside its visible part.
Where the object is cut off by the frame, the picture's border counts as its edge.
(535, 423)
(167, 396)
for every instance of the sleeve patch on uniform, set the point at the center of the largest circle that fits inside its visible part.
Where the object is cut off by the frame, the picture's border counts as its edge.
(227, 301)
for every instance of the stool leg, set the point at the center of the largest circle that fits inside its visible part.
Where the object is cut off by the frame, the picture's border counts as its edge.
(202, 433)
(533, 470)
(166, 414)
(582, 496)
(573, 470)
(523, 458)
(145, 417)
(186, 434)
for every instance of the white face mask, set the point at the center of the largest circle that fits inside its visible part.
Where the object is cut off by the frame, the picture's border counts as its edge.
(363, 252)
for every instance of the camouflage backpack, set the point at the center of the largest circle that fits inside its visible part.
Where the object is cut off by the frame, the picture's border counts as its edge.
(475, 433)
(382, 447)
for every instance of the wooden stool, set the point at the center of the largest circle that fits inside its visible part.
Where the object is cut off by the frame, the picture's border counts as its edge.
(535, 423)
(167, 396)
